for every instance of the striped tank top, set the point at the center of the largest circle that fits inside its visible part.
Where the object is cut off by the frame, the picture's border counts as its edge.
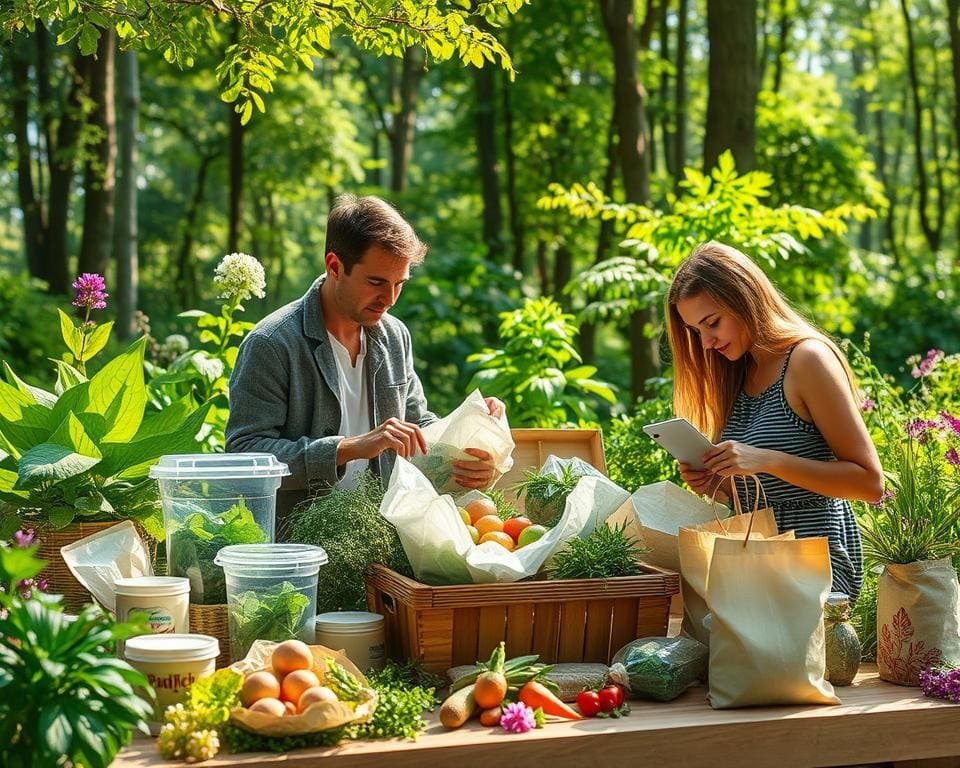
(768, 421)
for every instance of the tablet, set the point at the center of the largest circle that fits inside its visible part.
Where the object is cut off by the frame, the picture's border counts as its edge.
(681, 439)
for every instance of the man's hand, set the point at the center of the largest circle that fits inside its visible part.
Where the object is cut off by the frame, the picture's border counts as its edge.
(495, 407)
(475, 474)
(393, 435)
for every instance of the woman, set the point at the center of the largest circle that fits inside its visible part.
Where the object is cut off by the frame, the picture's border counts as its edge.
(778, 399)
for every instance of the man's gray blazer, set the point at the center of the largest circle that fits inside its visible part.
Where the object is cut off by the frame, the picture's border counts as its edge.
(284, 394)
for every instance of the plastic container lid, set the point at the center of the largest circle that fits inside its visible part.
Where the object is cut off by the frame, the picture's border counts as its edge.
(146, 586)
(218, 466)
(283, 558)
(159, 649)
(348, 622)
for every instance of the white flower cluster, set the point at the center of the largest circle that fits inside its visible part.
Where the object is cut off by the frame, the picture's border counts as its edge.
(241, 276)
(179, 741)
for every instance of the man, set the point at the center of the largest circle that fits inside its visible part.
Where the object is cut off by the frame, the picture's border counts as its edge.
(326, 383)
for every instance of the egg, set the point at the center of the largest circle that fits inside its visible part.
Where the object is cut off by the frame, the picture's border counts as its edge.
(315, 694)
(259, 685)
(290, 656)
(290, 707)
(269, 705)
(294, 684)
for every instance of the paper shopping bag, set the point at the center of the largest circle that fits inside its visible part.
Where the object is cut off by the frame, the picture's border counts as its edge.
(767, 638)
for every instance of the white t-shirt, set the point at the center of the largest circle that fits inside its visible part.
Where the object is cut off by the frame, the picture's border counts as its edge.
(354, 402)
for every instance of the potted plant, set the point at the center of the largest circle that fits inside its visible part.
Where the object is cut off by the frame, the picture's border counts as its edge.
(912, 533)
(77, 456)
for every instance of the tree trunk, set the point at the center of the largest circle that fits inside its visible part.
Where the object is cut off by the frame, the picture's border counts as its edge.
(186, 280)
(732, 82)
(513, 202)
(125, 230)
(783, 44)
(26, 192)
(666, 119)
(620, 24)
(562, 274)
(680, 94)
(404, 102)
(931, 231)
(486, 137)
(953, 22)
(764, 42)
(56, 269)
(543, 271)
(100, 172)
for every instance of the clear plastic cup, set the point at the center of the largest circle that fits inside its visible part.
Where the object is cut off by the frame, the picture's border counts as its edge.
(210, 501)
(271, 592)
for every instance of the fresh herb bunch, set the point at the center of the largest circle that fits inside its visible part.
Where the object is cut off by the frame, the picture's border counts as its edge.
(191, 730)
(505, 509)
(276, 614)
(236, 739)
(606, 553)
(863, 615)
(66, 698)
(404, 691)
(546, 493)
(194, 545)
(349, 527)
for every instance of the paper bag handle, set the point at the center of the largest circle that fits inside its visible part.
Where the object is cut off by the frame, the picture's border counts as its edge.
(737, 507)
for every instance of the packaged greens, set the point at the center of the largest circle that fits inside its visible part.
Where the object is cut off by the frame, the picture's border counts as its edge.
(277, 614)
(192, 547)
(659, 668)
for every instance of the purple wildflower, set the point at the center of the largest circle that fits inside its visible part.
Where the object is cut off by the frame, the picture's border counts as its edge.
(518, 718)
(952, 457)
(941, 683)
(950, 422)
(91, 292)
(917, 429)
(926, 365)
(867, 405)
(23, 538)
(885, 496)
(42, 584)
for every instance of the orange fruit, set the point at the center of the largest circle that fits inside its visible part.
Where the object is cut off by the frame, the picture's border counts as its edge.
(515, 525)
(488, 523)
(500, 537)
(479, 508)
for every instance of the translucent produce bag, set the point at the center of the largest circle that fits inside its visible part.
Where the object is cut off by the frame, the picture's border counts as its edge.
(469, 425)
(439, 546)
(659, 668)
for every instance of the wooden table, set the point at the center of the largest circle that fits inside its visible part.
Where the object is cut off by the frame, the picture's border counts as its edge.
(877, 722)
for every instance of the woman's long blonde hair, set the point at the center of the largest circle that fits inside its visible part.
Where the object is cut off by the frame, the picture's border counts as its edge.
(706, 384)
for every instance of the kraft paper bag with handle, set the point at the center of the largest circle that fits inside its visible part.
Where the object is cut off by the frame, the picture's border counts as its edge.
(661, 510)
(469, 425)
(767, 638)
(695, 550)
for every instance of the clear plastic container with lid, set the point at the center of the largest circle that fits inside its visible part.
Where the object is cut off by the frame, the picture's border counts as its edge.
(165, 600)
(271, 592)
(211, 501)
(359, 634)
(172, 663)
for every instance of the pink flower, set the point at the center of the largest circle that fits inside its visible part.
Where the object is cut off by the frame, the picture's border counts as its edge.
(518, 718)
(917, 429)
(926, 365)
(952, 457)
(23, 538)
(888, 494)
(91, 292)
(867, 405)
(950, 422)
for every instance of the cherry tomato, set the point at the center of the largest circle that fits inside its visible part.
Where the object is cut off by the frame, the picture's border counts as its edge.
(588, 702)
(610, 698)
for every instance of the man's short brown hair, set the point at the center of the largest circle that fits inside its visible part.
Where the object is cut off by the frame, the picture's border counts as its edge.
(356, 223)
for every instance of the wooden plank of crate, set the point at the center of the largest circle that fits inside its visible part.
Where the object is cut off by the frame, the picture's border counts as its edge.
(466, 629)
(546, 630)
(519, 630)
(653, 616)
(493, 629)
(436, 638)
(573, 619)
(596, 633)
(623, 626)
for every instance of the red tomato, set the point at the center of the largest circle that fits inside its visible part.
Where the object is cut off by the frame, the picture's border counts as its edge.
(610, 697)
(515, 525)
(588, 702)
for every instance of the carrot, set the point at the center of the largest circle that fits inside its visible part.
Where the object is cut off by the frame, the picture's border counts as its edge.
(535, 694)
(490, 689)
(458, 708)
(491, 717)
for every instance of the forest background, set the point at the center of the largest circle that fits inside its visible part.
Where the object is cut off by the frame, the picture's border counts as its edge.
(557, 186)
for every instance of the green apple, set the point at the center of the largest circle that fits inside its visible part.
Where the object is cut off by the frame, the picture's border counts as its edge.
(464, 515)
(530, 534)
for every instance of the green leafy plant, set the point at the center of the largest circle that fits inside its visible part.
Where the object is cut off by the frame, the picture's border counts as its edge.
(606, 553)
(538, 372)
(190, 730)
(83, 450)
(196, 542)
(545, 493)
(348, 525)
(204, 373)
(273, 614)
(64, 696)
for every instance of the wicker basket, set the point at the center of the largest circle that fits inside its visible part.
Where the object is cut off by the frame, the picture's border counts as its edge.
(213, 620)
(565, 620)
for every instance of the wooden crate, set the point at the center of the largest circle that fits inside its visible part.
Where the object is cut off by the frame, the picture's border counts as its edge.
(564, 620)
(534, 445)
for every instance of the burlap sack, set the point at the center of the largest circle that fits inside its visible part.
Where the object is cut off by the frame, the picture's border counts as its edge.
(918, 619)
(767, 637)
